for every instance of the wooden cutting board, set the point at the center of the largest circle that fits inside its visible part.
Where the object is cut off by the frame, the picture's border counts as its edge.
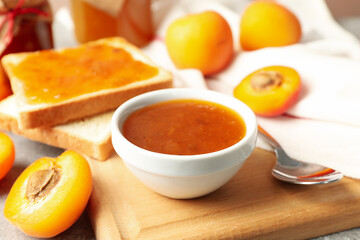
(253, 205)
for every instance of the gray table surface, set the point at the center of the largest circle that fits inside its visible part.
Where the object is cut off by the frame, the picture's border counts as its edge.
(27, 151)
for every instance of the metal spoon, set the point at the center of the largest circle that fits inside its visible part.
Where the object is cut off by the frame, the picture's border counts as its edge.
(294, 171)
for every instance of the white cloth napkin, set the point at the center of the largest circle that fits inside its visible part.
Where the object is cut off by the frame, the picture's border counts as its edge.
(324, 126)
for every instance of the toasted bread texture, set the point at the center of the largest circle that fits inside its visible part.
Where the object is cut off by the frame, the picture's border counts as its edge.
(90, 136)
(34, 114)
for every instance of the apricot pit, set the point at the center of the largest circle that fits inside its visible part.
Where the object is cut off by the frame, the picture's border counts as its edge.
(269, 91)
(266, 80)
(41, 183)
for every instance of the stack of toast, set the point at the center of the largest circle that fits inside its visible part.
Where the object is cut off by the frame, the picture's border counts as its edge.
(66, 97)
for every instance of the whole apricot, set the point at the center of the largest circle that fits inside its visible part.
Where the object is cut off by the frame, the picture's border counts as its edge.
(202, 41)
(270, 91)
(5, 89)
(7, 154)
(268, 24)
(49, 195)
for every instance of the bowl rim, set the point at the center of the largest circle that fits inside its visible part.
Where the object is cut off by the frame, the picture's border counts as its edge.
(145, 99)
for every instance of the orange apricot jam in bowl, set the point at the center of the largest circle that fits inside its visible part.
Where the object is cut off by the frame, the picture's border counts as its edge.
(184, 127)
(183, 143)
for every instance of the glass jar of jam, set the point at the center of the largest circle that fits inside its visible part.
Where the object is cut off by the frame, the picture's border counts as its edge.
(131, 19)
(25, 25)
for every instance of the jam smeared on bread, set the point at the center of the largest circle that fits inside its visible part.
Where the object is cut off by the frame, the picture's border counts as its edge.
(51, 76)
(54, 87)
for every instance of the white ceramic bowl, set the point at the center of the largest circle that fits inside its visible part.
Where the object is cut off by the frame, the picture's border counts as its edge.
(183, 176)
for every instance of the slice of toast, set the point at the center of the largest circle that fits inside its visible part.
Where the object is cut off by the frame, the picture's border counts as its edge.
(57, 86)
(89, 136)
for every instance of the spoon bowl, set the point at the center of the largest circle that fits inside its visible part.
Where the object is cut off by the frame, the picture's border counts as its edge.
(298, 172)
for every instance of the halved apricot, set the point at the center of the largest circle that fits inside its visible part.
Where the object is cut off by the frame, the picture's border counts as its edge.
(7, 154)
(50, 195)
(270, 91)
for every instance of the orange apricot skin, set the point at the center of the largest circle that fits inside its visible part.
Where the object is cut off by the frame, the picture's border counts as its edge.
(273, 102)
(268, 24)
(7, 154)
(5, 89)
(64, 204)
(202, 41)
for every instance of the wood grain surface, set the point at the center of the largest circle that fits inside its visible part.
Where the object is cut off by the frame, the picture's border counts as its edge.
(253, 205)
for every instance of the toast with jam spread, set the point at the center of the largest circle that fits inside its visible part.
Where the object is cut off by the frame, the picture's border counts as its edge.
(58, 86)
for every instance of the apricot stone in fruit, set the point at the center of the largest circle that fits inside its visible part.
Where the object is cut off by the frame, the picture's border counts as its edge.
(270, 91)
(49, 195)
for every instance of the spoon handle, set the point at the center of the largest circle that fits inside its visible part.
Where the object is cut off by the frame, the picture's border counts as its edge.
(273, 143)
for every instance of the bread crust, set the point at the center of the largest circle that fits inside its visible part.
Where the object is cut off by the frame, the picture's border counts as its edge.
(84, 107)
(56, 137)
(40, 115)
